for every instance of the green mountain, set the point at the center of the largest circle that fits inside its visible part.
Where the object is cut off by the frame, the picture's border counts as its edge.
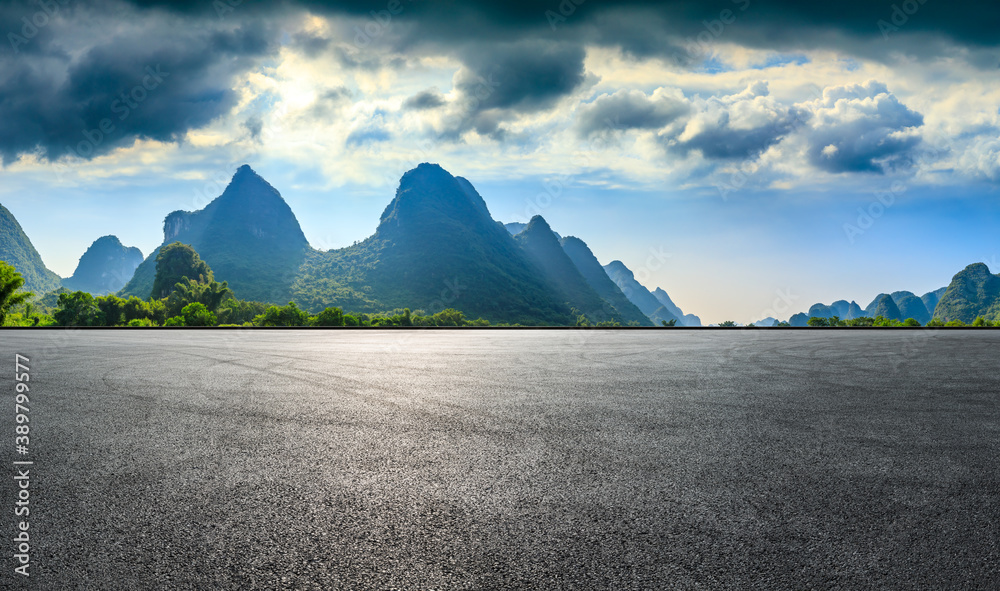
(595, 275)
(854, 311)
(683, 319)
(543, 249)
(931, 298)
(637, 294)
(17, 250)
(884, 306)
(516, 228)
(800, 319)
(910, 306)
(973, 292)
(841, 309)
(105, 268)
(248, 235)
(901, 304)
(436, 247)
(870, 308)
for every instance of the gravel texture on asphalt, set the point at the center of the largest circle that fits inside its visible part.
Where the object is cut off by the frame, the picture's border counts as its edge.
(375, 459)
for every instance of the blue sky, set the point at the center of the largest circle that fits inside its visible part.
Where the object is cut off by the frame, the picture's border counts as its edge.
(731, 166)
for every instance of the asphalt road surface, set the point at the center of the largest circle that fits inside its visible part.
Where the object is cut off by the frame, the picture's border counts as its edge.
(671, 459)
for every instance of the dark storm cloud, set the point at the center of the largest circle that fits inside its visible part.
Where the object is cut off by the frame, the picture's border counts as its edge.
(65, 62)
(757, 21)
(629, 109)
(146, 80)
(723, 141)
(523, 77)
(500, 82)
(423, 100)
(739, 126)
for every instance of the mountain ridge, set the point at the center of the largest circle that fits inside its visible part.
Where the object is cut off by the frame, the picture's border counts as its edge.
(248, 235)
(105, 267)
(17, 250)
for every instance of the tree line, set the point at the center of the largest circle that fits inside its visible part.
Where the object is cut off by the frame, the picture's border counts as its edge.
(185, 293)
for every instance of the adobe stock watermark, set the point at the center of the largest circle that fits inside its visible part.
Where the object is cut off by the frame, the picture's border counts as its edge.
(781, 305)
(735, 180)
(377, 24)
(563, 11)
(224, 7)
(700, 45)
(655, 261)
(937, 147)
(898, 17)
(123, 106)
(31, 25)
(875, 210)
(553, 188)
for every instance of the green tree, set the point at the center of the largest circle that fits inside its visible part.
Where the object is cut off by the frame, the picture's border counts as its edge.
(197, 314)
(289, 315)
(78, 309)
(330, 316)
(10, 294)
(112, 310)
(449, 317)
(211, 294)
(672, 322)
(817, 321)
(911, 322)
(727, 323)
(234, 311)
(154, 311)
(178, 263)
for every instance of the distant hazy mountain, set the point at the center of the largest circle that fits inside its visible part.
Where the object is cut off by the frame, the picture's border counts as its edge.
(690, 320)
(16, 250)
(799, 319)
(105, 268)
(973, 292)
(637, 294)
(822, 311)
(683, 319)
(841, 309)
(543, 248)
(592, 271)
(665, 301)
(901, 304)
(436, 247)
(910, 306)
(248, 236)
(516, 228)
(766, 322)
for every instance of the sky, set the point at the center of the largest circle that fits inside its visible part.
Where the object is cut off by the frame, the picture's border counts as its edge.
(751, 158)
